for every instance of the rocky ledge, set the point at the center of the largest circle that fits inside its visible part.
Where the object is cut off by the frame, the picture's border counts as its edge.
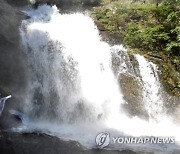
(39, 143)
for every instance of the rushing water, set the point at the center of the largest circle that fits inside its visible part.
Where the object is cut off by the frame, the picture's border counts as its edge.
(73, 89)
(151, 87)
(2, 102)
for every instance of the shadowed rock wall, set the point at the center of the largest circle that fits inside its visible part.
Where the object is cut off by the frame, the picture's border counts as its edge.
(12, 66)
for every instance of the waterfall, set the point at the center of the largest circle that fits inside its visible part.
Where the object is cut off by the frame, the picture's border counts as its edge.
(70, 69)
(152, 89)
(73, 90)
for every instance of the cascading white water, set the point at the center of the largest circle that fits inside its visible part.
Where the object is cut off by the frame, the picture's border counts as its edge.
(72, 91)
(71, 62)
(2, 102)
(152, 88)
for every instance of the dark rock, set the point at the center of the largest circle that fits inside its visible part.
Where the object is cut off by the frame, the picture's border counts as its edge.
(112, 38)
(132, 91)
(17, 2)
(12, 66)
(39, 143)
(100, 26)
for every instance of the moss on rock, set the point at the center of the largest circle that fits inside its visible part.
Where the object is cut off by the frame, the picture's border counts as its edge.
(132, 92)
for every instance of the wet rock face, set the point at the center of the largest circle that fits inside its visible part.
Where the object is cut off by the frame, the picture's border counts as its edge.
(11, 57)
(132, 91)
(12, 67)
(17, 2)
(35, 143)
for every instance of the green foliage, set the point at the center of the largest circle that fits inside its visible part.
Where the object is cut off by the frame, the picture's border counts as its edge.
(170, 2)
(161, 13)
(177, 31)
(162, 33)
(173, 47)
(135, 41)
(149, 28)
(144, 26)
(146, 38)
(172, 17)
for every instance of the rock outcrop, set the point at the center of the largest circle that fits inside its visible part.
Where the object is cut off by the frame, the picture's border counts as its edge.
(29, 143)
(12, 66)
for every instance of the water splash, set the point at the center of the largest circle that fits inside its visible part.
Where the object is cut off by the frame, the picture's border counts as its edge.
(69, 60)
(151, 87)
(2, 102)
